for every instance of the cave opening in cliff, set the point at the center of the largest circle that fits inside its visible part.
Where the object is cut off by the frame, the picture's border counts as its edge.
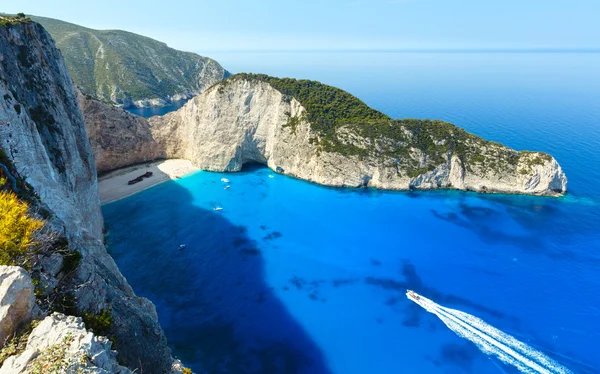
(252, 165)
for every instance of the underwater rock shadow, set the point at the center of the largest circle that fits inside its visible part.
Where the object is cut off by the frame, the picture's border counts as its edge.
(461, 356)
(413, 281)
(212, 300)
(479, 220)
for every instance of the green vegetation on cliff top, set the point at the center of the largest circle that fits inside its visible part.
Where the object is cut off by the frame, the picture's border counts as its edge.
(6, 20)
(119, 66)
(337, 117)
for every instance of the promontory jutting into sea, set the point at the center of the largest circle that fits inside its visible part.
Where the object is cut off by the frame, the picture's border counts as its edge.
(309, 210)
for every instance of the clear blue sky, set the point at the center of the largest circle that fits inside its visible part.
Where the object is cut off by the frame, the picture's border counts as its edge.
(200, 26)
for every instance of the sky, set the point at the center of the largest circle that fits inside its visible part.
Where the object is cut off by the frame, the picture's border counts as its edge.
(236, 25)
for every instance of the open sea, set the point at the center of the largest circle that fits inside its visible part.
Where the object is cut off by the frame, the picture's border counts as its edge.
(292, 277)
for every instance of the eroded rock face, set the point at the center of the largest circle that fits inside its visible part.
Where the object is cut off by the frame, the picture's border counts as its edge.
(246, 121)
(42, 133)
(62, 342)
(17, 300)
(118, 138)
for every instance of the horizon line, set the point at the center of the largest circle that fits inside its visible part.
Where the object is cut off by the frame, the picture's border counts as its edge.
(413, 50)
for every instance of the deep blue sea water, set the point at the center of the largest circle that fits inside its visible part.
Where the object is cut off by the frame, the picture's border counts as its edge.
(158, 110)
(291, 277)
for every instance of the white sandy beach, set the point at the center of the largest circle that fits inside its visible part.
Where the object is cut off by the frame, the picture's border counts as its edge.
(113, 186)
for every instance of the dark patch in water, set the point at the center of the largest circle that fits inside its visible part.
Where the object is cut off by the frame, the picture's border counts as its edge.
(263, 227)
(298, 282)
(343, 282)
(375, 262)
(262, 296)
(391, 301)
(238, 242)
(471, 219)
(459, 355)
(273, 235)
(524, 210)
(233, 321)
(413, 282)
(250, 251)
(412, 318)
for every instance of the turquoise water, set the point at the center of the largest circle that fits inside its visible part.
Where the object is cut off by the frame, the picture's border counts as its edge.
(291, 277)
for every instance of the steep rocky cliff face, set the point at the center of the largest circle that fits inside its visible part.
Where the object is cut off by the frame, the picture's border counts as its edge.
(44, 144)
(118, 138)
(61, 344)
(58, 343)
(248, 120)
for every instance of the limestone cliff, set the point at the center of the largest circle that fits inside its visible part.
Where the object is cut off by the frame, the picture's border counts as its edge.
(17, 301)
(260, 119)
(45, 147)
(118, 138)
(61, 344)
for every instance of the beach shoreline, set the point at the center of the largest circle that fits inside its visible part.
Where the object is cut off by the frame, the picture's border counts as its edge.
(113, 186)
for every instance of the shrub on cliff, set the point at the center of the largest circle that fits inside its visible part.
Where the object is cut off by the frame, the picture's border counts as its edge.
(18, 231)
(100, 323)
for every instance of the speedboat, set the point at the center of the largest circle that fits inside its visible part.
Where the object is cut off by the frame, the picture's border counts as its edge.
(271, 176)
(182, 247)
(227, 187)
(218, 208)
(224, 180)
(413, 295)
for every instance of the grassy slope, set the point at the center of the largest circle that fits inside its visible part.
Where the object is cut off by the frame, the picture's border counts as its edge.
(138, 66)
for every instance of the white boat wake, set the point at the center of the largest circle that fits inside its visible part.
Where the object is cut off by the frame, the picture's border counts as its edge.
(491, 340)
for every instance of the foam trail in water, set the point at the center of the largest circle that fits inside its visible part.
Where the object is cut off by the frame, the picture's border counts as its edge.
(491, 340)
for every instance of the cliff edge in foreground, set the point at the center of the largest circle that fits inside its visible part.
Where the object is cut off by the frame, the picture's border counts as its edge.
(325, 135)
(46, 156)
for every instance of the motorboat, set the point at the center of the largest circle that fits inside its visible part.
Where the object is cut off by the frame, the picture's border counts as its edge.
(271, 176)
(227, 187)
(182, 247)
(413, 295)
(218, 208)
(224, 180)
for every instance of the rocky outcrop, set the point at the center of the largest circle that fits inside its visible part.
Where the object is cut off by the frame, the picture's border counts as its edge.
(61, 344)
(17, 301)
(243, 120)
(118, 138)
(43, 138)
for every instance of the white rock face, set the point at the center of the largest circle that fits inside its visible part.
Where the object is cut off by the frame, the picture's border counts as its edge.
(244, 121)
(17, 300)
(62, 342)
(33, 122)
